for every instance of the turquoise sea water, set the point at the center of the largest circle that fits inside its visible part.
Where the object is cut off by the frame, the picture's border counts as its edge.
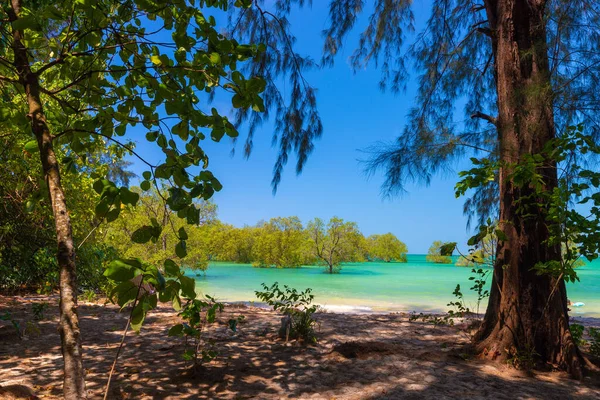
(413, 286)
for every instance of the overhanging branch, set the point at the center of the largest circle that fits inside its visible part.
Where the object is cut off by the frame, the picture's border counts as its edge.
(8, 79)
(485, 31)
(488, 118)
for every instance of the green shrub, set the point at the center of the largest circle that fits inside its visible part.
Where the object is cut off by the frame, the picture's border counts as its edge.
(92, 261)
(21, 266)
(38, 310)
(436, 320)
(38, 269)
(198, 314)
(523, 359)
(89, 296)
(594, 341)
(577, 333)
(296, 307)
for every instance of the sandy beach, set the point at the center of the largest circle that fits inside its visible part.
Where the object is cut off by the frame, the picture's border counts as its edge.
(358, 356)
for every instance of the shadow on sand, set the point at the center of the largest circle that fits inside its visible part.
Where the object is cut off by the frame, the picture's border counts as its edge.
(358, 356)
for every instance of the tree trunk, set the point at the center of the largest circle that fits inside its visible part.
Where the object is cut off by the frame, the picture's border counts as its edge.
(74, 380)
(527, 313)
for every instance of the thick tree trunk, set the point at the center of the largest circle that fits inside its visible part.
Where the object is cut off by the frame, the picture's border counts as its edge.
(527, 313)
(74, 375)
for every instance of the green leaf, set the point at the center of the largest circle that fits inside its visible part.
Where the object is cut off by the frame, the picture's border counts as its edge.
(162, 140)
(128, 197)
(233, 324)
(447, 248)
(98, 186)
(211, 314)
(171, 290)
(143, 234)
(4, 113)
(29, 206)
(145, 185)
(196, 190)
(52, 12)
(26, 22)
(193, 215)
(501, 235)
(113, 214)
(160, 281)
(257, 84)
(152, 136)
(137, 317)
(473, 240)
(216, 184)
(147, 175)
(180, 249)
(120, 129)
(126, 293)
(215, 58)
(259, 105)
(176, 330)
(183, 234)
(237, 101)
(237, 77)
(188, 287)
(155, 60)
(163, 171)
(176, 303)
(102, 209)
(171, 268)
(120, 270)
(31, 147)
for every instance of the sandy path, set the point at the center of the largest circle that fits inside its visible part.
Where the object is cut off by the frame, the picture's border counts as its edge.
(388, 357)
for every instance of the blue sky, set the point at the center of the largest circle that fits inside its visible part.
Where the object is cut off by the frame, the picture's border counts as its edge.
(356, 115)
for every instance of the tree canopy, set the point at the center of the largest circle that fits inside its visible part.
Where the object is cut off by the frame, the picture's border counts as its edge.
(434, 254)
(335, 242)
(150, 205)
(386, 247)
(280, 243)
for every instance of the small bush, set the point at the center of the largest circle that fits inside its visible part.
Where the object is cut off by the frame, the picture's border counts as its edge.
(297, 310)
(577, 333)
(31, 329)
(38, 310)
(523, 359)
(436, 320)
(89, 296)
(594, 341)
(198, 314)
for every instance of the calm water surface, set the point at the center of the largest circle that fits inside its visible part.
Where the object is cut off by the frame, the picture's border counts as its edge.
(413, 286)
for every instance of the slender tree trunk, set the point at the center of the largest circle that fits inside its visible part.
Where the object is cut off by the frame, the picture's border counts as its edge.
(527, 312)
(74, 379)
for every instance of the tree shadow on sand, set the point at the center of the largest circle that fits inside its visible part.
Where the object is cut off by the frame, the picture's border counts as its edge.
(358, 357)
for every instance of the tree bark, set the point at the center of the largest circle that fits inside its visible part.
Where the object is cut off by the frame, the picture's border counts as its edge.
(74, 374)
(527, 313)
